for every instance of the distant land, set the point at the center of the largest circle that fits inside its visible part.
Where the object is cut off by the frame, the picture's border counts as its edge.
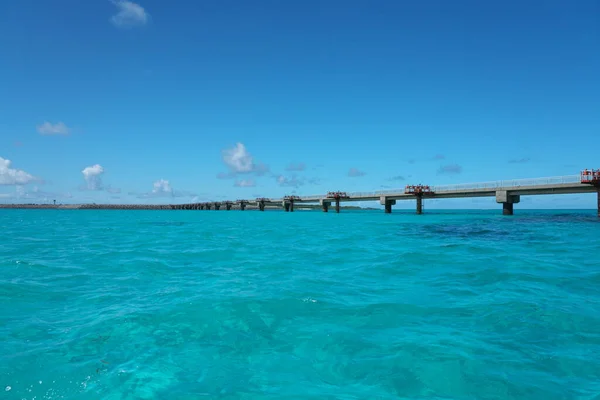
(298, 207)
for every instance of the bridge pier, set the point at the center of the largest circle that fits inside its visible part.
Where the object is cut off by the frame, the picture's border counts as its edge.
(228, 206)
(337, 206)
(242, 206)
(286, 206)
(419, 204)
(598, 193)
(387, 203)
(325, 205)
(217, 206)
(208, 206)
(261, 205)
(508, 201)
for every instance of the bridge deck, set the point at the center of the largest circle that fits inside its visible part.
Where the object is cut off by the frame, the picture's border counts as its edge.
(564, 188)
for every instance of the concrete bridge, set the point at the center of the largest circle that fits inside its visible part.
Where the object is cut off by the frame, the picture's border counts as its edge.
(506, 193)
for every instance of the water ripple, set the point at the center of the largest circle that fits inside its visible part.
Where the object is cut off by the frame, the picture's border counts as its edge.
(230, 305)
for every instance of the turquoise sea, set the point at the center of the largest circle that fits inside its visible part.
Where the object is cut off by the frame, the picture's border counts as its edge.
(304, 305)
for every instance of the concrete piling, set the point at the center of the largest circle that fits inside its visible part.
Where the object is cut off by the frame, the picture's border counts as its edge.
(261, 205)
(419, 204)
(337, 206)
(387, 203)
(508, 201)
(228, 206)
(325, 205)
(286, 206)
(598, 193)
(217, 206)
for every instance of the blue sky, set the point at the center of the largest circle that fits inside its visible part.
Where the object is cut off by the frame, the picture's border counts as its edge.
(173, 101)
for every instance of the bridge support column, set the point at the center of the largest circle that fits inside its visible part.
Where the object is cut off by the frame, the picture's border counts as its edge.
(508, 201)
(261, 205)
(208, 206)
(325, 205)
(419, 204)
(242, 206)
(337, 206)
(387, 203)
(217, 207)
(286, 206)
(598, 190)
(228, 206)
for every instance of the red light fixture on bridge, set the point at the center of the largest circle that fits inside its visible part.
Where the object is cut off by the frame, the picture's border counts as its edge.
(591, 176)
(337, 195)
(418, 189)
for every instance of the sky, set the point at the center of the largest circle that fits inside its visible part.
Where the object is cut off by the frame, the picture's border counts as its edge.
(177, 101)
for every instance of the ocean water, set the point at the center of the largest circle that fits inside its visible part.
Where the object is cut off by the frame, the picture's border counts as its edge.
(304, 305)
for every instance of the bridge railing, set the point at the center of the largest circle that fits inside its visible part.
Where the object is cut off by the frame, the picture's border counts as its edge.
(505, 184)
(508, 184)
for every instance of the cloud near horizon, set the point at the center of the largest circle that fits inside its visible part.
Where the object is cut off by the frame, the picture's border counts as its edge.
(240, 161)
(129, 14)
(93, 177)
(12, 176)
(48, 128)
(163, 188)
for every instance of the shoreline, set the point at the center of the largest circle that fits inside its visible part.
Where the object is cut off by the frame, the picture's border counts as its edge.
(149, 207)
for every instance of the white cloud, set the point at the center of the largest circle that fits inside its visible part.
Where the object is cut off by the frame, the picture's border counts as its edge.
(22, 194)
(93, 176)
(129, 14)
(240, 161)
(162, 186)
(245, 183)
(11, 176)
(48, 128)
(353, 172)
